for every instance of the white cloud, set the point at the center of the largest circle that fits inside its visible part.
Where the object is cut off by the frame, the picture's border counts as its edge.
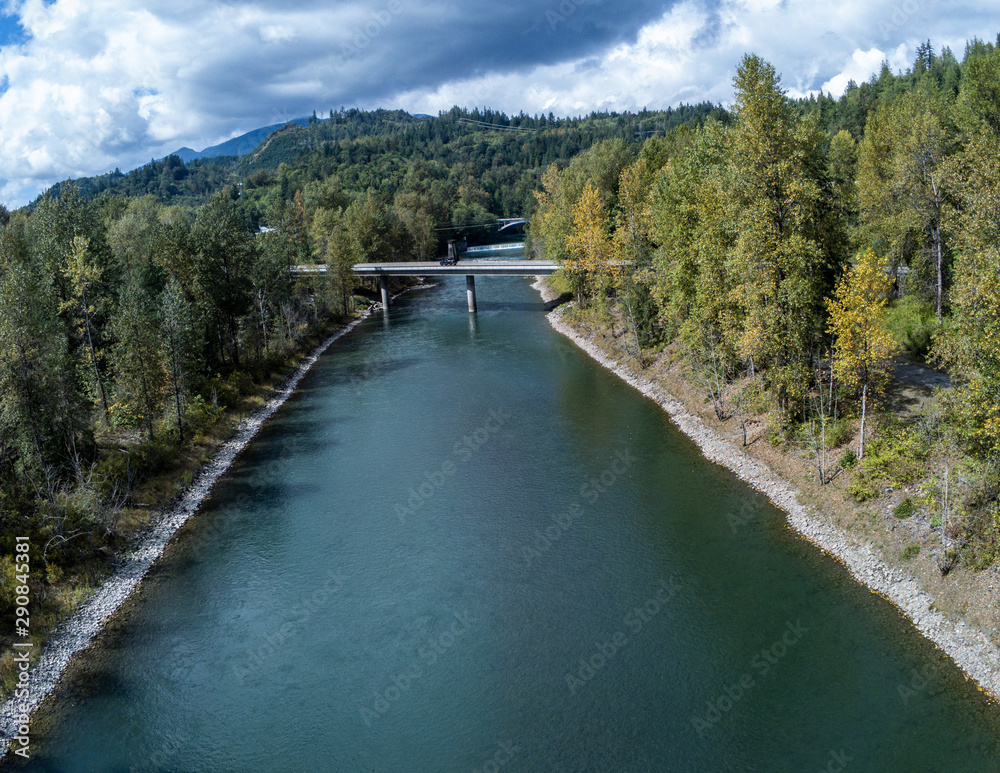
(103, 83)
(861, 65)
(691, 53)
(106, 83)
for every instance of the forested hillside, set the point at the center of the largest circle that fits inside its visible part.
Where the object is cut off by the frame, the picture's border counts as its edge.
(485, 163)
(788, 256)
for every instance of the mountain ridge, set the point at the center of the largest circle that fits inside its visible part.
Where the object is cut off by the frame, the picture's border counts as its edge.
(236, 146)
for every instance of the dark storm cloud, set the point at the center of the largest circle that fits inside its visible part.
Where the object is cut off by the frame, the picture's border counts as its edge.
(390, 47)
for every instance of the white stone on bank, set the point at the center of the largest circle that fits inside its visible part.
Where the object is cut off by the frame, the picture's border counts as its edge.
(968, 648)
(76, 633)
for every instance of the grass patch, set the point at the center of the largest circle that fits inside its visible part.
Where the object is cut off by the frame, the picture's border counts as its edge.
(911, 322)
(911, 551)
(560, 283)
(904, 509)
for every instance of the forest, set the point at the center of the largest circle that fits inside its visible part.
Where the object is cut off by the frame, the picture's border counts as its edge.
(790, 256)
(785, 249)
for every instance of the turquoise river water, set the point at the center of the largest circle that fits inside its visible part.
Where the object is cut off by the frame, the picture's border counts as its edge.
(463, 546)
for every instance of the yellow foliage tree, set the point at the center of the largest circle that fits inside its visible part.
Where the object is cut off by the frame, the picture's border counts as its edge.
(590, 247)
(862, 349)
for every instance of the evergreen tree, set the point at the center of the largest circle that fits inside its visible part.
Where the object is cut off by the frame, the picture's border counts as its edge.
(39, 412)
(178, 347)
(82, 279)
(223, 264)
(139, 371)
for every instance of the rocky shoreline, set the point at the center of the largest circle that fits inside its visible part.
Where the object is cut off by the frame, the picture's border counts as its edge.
(971, 651)
(75, 634)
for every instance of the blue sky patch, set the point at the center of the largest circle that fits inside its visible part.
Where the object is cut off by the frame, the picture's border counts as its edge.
(11, 31)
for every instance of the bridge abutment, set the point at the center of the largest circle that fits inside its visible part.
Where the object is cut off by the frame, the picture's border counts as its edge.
(384, 284)
(470, 291)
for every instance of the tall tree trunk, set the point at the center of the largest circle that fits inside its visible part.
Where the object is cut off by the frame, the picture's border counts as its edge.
(29, 392)
(938, 250)
(175, 369)
(864, 409)
(93, 359)
(263, 315)
(630, 316)
(148, 404)
(234, 335)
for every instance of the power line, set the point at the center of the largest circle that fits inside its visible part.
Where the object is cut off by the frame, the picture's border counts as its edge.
(497, 126)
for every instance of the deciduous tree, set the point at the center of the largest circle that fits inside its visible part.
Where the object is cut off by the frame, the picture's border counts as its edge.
(177, 339)
(225, 257)
(862, 348)
(780, 258)
(590, 248)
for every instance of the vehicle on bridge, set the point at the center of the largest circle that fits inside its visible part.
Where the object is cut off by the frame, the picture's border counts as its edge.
(452, 257)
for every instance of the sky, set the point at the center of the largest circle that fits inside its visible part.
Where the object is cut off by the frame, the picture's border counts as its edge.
(90, 85)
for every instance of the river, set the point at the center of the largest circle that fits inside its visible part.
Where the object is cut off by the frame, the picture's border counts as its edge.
(463, 546)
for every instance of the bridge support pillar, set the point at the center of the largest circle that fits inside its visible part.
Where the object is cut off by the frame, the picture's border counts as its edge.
(470, 291)
(384, 282)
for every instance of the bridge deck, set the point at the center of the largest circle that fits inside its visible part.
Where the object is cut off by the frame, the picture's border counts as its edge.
(464, 267)
(434, 268)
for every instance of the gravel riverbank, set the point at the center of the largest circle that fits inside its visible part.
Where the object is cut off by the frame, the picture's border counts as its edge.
(974, 654)
(76, 633)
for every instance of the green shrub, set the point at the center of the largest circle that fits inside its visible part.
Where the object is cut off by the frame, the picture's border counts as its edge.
(895, 457)
(775, 433)
(240, 383)
(200, 414)
(756, 399)
(848, 459)
(116, 471)
(8, 583)
(904, 509)
(910, 551)
(838, 432)
(220, 392)
(911, 322)
(863, 489)
(121, 470)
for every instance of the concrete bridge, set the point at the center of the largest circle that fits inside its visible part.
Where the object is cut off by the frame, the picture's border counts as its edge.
(511, 222)
(468, 268)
